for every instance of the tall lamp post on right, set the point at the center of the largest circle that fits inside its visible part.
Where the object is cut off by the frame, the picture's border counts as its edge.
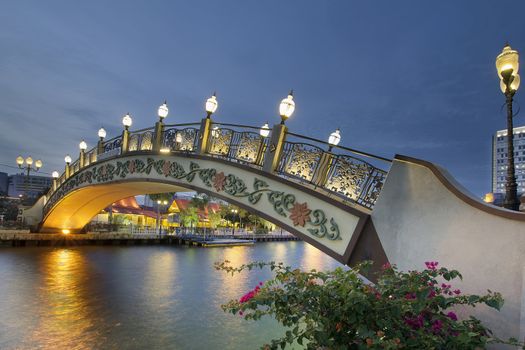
(507, 64)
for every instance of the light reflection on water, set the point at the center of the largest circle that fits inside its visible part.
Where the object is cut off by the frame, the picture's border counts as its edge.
(154, 297)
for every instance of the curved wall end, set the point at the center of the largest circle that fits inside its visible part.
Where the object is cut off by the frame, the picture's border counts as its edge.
(423, 214)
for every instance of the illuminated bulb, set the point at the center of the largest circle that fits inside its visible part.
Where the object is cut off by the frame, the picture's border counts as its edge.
(334, 138)
(29, 161)
(55, 174)
(126, 121)
(265, 130)
(163, 110)
(82, 145)
(65, 231)
(178, 137)
(507, 59)
(67, 159)
(211, 105)
(101, 133)
(286, 107)
(19, 160)
(38, 164)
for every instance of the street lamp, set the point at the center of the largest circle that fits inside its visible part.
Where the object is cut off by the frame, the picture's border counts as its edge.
(101, 134)
(55, 176)
(265, 130)
(333, 139)
(127, 121)
(507, 65)
(163, 110)
(286, 107)
(28, 168)
(211, 105)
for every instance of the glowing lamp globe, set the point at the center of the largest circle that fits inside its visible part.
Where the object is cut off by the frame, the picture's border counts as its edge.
(19, 160)
(127, 121)
(334, 138)
(101, 133)
(287, 107)
(82, 145)
(55, 174)
(67, 159)
(38, 164)
(508, 59)
(29, 161)
(163, 110)
(514, 85)
(212, 104)
(265, 130)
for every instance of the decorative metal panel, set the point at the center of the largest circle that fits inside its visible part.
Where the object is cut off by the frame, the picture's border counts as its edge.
(348, 176)
(220, 140)
(133, 144)
(303, 160)
(249, 147)
(146, 142)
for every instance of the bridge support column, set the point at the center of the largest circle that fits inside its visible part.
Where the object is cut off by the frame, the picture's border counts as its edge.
(157, 137)
(275, 148)
(204, 134)
(125, 141)
(67, 171)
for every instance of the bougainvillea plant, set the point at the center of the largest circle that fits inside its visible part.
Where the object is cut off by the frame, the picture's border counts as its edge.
(340, 310)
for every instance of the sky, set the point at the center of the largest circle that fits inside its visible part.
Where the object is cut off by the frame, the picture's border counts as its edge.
(415, 78)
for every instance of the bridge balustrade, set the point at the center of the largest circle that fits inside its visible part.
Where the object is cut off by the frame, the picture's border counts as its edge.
(338, 170)
(239, 143)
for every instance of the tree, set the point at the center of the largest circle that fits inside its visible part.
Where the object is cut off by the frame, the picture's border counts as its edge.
(214, 219)
(189, 217)
(166, 196)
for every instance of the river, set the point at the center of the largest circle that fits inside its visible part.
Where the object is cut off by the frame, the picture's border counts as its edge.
(136, 297)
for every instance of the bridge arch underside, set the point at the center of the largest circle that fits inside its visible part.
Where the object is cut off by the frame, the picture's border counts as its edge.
(344, 232)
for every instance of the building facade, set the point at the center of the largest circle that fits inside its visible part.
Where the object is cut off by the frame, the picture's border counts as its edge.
(4, 183)
(33, 184)
(500, 161)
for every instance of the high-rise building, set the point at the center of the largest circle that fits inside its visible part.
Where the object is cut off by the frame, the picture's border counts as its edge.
(35, 185)
(500, 161)
(4, 182)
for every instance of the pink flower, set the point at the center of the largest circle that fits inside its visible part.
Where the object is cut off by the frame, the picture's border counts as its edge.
(410, 296)
(437, 325)
(241, 313)
(260, 283)
(452, 316)
(386, 266)
(248, 296)
(431, 265)
(457, 292)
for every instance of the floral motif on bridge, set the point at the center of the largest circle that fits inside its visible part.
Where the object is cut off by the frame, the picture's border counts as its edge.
(284, 204)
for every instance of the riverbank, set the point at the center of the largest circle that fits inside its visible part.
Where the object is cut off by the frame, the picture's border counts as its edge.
(25, 239)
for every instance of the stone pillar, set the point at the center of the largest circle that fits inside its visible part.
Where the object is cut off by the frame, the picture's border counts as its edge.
(125, 141)
(204, 135)
(55, 184)
(321, 173)
(157, 137)
(67, 171)
(275, 148)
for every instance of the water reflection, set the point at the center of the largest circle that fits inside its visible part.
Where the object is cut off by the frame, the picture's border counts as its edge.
(64, 320)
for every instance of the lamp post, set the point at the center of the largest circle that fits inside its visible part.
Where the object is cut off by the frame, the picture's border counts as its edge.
(100, 144)
(162, 112)
(265, 130)
(126, 121)
(211, 105)
(67, 159)
(55, 176)
(82, 156)
(234, 211)
(333, 139)
(286, 107)
(507, 65)
(27, 165)
(159, 226)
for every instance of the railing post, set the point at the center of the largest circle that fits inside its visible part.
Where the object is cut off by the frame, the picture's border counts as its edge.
(125, 141)
(67, 171)
(100, 146)
(204, 134)
(323, 169)
(261, 151)
(55, 184)
(157, 136)
(82, 158)
(275, 148)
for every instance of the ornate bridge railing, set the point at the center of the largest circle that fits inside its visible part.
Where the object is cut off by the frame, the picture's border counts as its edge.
(342, 172)
(181, 137)
(348, 174)
(240, 143)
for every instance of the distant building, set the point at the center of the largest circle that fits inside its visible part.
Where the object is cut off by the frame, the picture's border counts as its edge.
(4, 183)
(35, 185)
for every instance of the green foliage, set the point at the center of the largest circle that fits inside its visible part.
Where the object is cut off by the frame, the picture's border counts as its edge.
(338, 310)
(162, 196)
(189, 217)
(215, 219)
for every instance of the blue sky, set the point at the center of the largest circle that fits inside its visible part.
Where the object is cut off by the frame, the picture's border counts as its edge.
(409, 77)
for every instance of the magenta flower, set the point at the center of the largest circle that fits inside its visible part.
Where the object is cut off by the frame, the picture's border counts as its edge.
(431, 265)
(437, 325)
(452, 316)
(457, 292)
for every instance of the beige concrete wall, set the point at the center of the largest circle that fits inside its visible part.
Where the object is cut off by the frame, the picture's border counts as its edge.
(419, 218)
